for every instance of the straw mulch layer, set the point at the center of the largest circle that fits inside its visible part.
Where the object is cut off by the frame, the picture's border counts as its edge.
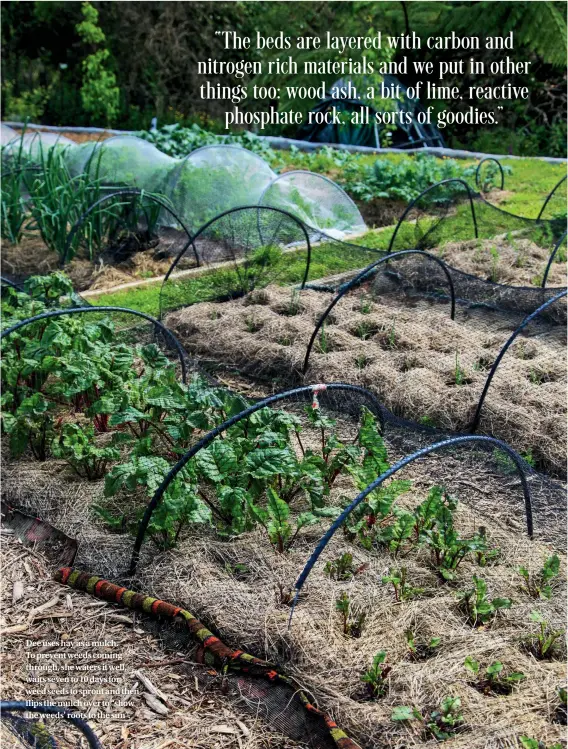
(421, 364)
(515, 262)
(198, 715)
(241, 589)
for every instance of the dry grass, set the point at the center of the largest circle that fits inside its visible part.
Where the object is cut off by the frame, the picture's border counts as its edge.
(421, 364)
(518, 262)
(199, 715)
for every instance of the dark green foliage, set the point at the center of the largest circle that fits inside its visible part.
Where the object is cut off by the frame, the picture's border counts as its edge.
(375, 677)
(538, 584)
(479, 608)
(492, 679)
(441, 723)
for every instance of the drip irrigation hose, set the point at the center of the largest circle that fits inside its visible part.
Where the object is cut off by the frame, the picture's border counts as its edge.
(8, 708)
(361, 276)
(160, 491)
(477, 417)
(80, 310)
(326, 538)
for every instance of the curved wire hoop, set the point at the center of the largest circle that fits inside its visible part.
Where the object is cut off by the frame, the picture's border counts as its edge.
(257, 208)
(7, 708)
(411, 205)
(477, 417)
(361, 277)
(515, 457)
(478, 171)
(6, 282)
(551, 259)
(184, 460)
(81, 310)
(117, 193)
(549, 196)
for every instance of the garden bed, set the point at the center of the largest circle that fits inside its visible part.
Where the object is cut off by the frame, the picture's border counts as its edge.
(420, 363)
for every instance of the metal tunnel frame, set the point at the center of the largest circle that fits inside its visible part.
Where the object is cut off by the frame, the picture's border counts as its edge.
(209, 223)
(515, 457)
(549, 196)
(551, 259)
(11, 707)
(184, 460)
(81, 310)
(411, 205)
(478, 170)
(361, 276)
(117, 193)
(477, 417)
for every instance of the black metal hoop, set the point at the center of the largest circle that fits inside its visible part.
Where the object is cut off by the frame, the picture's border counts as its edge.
(361, 276)
(496, 161)
(81, 310)
(118, 193)
(257, 208)
(6, 282)
(477, 417)
(549, 196)
(7, 708)
(551, 259)
(160, 491)
(411, 205)
(518, 461)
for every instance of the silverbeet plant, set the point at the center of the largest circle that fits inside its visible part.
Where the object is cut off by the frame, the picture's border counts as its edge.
(492, 679)
(376, 676)
(538, 584)
(441, 723)
(478, 607)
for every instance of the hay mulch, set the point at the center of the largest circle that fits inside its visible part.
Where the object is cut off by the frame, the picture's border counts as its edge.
(515, 262)
(240, 588)
(197, 713)
(422, 365)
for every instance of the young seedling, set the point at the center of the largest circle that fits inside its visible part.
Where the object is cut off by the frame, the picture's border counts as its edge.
(324, 343)
(352, 622)
(362, 361)
(542, 644)
(365, 330)
(253, 325)
(341, 568)
(537, 585)
(492, 680)
(486, 556)
(375, 677)
(294, 305)
(402, 590)
(441, 723)
(480, 610)
(365, 307)
(459, 374)
(494, 271)
(528, 743)
(421, 650)
(561, 712)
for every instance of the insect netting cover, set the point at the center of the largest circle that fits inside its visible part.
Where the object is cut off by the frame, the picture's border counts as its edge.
(317, 201)
(126, 161)
(214, 179)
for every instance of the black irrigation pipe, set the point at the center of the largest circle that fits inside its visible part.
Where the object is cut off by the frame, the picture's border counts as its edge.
(551, 259)
(477, 417)
(496, 161)
(549, 196)
(6, 282)
(360, 277)
(209, 223)
(115, 194)
(80, 310)
(160, 491)
(515, 457)
(8, 708)
(411, 205)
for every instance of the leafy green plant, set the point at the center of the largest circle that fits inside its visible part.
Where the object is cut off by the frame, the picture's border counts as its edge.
(341, 568)
(542, 644)
(481, 610)
(376, 676)
(13, 212)
(441, 723)
(561, 710)
(492, 679)
(529, 743)
(402, 590)
(77, 446)
(352, 621)
(538, 584)
(459, 374)
(421, 649)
